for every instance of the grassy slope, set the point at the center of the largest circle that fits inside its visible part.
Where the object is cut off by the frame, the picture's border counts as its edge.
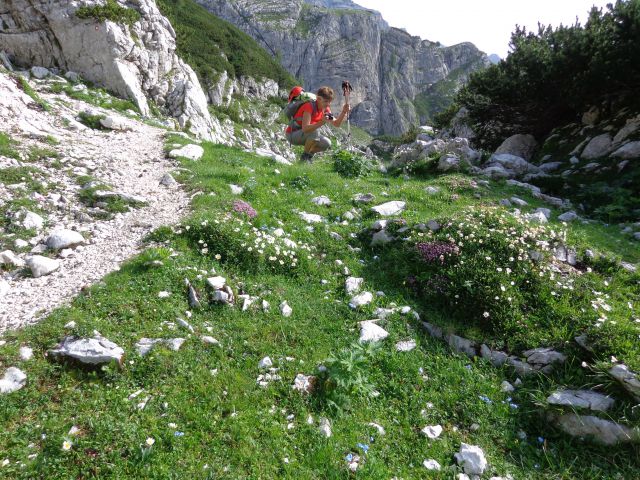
(211, 45)
(232, 427)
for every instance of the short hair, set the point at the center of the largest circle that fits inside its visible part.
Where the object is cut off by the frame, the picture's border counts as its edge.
(326, 93)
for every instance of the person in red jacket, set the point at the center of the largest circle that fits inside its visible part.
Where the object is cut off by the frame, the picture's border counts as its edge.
(309, 118)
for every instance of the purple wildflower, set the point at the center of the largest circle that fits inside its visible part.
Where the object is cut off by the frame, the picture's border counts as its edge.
(432, 252)
(241, 206)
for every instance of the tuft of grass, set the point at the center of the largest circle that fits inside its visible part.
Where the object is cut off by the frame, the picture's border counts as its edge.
(7, 145)
(91, 121)
(28, 89)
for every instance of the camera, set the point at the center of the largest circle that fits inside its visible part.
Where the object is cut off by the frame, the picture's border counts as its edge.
(329, 116)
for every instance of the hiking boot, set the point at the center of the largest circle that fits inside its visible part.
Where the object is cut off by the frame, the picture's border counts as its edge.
(306, 157)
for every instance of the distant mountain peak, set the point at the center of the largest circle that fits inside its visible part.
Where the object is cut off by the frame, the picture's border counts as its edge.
(348, 5)
(494, 58)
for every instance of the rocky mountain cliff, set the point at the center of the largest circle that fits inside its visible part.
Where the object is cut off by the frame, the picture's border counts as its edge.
(387, 67)
(133, 59)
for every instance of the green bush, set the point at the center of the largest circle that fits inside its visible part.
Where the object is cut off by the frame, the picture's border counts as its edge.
(553, 76)
(231, 238)
(6, 146)
(349, 164)
(111, 11)
(479, 267)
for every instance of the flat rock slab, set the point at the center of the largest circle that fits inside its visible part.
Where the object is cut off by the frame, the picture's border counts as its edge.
(602, 431)
(627, 378)
(390, 208)
(90, 351)
(64, 238)
(12, 381)
(364, 197)
(41, 266)
(144, 345)
(406, 346)
(191, 151)
(311, 217)
(581, 399)
(371, 332)
(321, 201)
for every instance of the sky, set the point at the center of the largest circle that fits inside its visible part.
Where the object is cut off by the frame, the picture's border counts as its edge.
(486, 23)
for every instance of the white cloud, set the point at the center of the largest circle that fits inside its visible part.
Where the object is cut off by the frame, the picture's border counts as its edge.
(488, 23)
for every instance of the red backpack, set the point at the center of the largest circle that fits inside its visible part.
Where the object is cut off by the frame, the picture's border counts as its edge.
(297, 98)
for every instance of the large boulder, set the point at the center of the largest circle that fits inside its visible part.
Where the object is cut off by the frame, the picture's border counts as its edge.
(520, 145)
(513, 164)
(135, 61)
(629, 151)
(597, 147)
(89, 351)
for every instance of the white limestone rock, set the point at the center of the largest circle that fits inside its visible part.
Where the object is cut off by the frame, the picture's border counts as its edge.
(325, 427)
(32, 220)
(11, 259)
(90, 351)
(390, 208)
(311, 217)
(114, 122)
(285, 309)
(602, 431)
(371, 332)
(353, 285)
(432, 431)
(322, 201)
(629, 151)
(41, 266)
(63, 238)
(360, 300)
(568, 216)
(581, 399)
(191, 151)
(472, 460)
(26, 353)
(598, 147)
(628, 379)
(13, 380)
(265, 363)
(432, 465)
(406, 346)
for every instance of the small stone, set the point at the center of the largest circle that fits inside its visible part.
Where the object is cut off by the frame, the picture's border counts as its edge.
(210, 340)
(90, 351)
(431, 465)
(581, 399)
(406, 346)
(371, 332)
(321, 201)
(364, 198)
(26, 353)
(9, 258)
(236, 189)
(311, 217)
(379, 428)
(432, 432)
(164, 294)
(265, 363)
(217, 283)
(191, 152)
(518, 201)
(472, 460)
(353, 285)
(41, 266)
(362, 299)
(70, 325)
(285, 309)
(12, 381)
(184, 324)
(432, 190)
(389, 208)
(507, 387)
(167, 180)
(568, 217)
(32, 220)
(303, 383)
(325, 427)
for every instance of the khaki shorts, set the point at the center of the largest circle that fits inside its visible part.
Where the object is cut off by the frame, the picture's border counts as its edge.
(300, 138)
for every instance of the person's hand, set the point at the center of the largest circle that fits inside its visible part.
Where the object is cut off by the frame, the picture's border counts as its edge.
(346, 108)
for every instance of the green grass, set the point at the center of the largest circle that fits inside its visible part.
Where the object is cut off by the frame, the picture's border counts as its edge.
(111, 11)
(7, 145)
(211, 45)
(95, 96)
(28, 89)
(232, 427)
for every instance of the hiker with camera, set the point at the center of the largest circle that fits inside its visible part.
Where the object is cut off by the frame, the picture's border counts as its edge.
(308, 113)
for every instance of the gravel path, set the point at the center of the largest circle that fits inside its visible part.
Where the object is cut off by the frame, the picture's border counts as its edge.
(132, 162)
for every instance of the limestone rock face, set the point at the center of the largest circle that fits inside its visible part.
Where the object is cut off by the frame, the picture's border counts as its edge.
(136, 62)
(387, 67)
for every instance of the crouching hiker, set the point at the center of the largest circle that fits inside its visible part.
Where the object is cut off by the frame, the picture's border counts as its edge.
(311, 113)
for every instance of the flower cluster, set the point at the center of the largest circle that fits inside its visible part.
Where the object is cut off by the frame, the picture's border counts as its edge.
(240, 206)
(228, 238)
(436, 251)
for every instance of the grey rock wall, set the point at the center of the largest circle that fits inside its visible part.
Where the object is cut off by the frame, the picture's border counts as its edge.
(322, 46)
(136, 62)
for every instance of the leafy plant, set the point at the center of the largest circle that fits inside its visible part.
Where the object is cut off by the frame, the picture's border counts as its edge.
(349, 164)
(91, 121)
(345, 376)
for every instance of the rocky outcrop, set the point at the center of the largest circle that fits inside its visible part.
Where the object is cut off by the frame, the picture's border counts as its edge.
(136, 61)
(387, 67)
